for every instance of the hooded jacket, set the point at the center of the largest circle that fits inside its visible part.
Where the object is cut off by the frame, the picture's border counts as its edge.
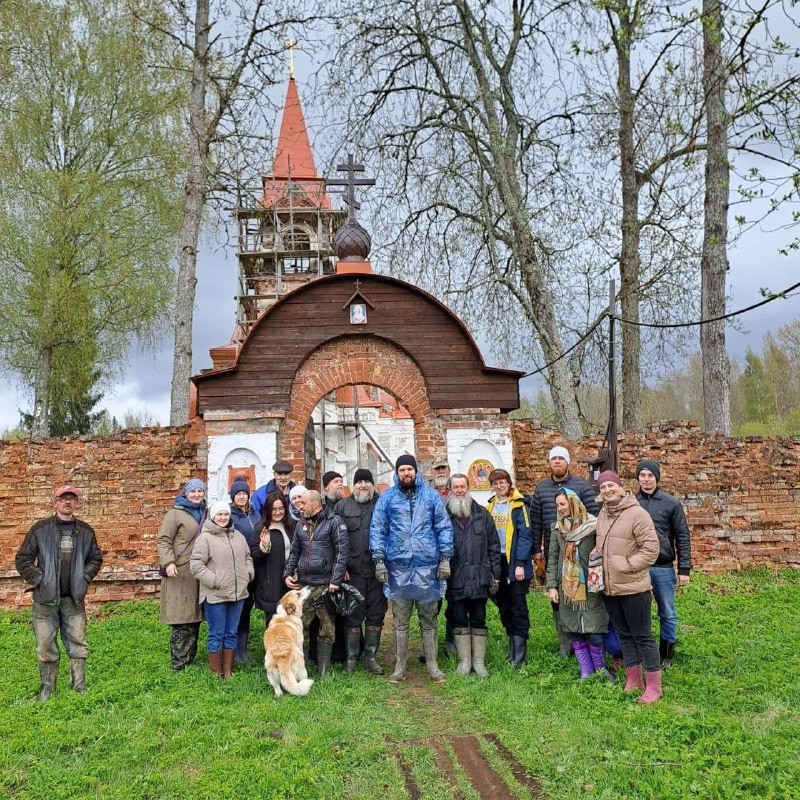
(628, 541)
(518, 535)
(221, 563)
(411, 532)
(671, 527)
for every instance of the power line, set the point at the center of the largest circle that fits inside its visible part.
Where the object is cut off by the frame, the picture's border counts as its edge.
(779, 296)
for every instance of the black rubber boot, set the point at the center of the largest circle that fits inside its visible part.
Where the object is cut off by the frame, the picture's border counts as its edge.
(48, 674)
(353, 643)
(241, 647)
(520, 651)
(667, 652)
(372, 638)
(324, 650)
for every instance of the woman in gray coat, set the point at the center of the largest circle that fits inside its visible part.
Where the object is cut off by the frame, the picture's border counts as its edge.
(581, 613)
(180, 602)
(222, 564)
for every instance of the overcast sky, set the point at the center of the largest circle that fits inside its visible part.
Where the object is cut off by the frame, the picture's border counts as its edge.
(145, 382)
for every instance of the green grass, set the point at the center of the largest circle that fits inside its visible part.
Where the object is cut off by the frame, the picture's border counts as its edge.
(728, 727)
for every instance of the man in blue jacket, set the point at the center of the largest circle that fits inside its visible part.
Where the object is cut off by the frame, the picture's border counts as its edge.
(411, 540)
(281, 483)
(673, 541)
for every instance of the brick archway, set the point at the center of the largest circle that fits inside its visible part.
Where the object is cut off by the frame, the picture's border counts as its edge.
(361, 360)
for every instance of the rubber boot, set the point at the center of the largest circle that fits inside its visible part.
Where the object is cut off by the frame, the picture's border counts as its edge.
(449, 640)
(401, 654)
(77, 674)
(667, 652)
(372, 638)
(228, 655)
(510, 658)
(581, 650)
(215, 662)
(598, 655)
(353, 644)
(324, 650)
(430, 645)
(634, 681)
(241, 647)
(520, 651)
(48, 674)
(564, 639)
(463, 641)
(479, 639)
(653, 691)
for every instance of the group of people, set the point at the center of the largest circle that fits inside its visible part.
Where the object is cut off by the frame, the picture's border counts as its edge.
(409, 547)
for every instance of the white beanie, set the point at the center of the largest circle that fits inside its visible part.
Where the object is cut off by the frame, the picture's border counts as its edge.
(559, 451)
(218, 508)
(296, 490)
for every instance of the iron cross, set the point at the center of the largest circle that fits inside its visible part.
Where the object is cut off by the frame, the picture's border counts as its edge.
(350, 182)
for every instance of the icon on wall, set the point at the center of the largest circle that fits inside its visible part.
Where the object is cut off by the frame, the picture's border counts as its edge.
(478, 474)
(358, 314)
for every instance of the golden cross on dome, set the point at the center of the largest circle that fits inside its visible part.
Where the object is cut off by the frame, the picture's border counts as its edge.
(291, 44)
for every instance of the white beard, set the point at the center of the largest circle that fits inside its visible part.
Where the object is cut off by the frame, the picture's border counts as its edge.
(460, 506)
(363, 496)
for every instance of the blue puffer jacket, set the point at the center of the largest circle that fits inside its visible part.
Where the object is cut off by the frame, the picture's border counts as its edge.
(411, 532)
(245, 524)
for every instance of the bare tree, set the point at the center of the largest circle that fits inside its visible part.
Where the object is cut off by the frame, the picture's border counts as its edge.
(232, 53)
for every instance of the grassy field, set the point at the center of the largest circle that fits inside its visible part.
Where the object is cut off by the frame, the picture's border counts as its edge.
(728, 726)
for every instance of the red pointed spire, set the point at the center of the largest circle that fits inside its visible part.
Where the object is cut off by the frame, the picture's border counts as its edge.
(293, 155)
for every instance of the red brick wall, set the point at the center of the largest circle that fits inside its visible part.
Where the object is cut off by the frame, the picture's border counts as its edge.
(126, 482)
(742, 496)
(353, 360)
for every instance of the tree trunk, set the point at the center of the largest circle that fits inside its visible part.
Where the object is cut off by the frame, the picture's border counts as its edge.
(714, 262)
(196, 188)
(40, 427)
(629, 250)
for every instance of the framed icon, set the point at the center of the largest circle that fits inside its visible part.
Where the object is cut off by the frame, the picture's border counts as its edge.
(358, 314)
(478, 474)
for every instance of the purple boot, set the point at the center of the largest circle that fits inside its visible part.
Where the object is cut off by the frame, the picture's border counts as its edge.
(581, 650)
(598, 656)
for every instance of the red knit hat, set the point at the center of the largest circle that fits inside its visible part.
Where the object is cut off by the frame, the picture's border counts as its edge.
(608, 475)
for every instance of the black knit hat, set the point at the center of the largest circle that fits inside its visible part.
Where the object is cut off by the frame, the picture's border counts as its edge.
(649, 465)
(328, 477)
(239, 485)
(363, 475)
(405, 461)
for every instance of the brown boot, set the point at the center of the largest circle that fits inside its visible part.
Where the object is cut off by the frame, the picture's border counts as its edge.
(228, 654)
(215, 662)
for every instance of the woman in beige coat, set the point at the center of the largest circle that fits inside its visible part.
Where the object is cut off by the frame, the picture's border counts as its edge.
(180, 603)
(629, 545)
(222, 564)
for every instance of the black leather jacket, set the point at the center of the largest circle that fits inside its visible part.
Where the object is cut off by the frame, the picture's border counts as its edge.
(667, 514)
(38, 561)
(319, 550)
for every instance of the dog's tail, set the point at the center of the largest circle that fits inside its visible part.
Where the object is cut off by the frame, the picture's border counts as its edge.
(292, 685)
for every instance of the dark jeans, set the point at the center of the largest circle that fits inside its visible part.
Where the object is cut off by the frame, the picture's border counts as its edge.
(223, 622)
(467, 613)
(664, 581)
(630, 615)
(66, 617)
(512, 603)
(594, 639)
(375, 609)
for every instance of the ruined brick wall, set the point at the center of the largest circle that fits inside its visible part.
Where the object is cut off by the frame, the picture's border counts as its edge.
(127, 483)
(742, 496)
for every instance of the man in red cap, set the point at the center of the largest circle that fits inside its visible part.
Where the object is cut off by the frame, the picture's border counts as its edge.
(60, 557)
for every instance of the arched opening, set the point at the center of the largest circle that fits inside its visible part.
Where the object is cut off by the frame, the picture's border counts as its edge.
(360, 426)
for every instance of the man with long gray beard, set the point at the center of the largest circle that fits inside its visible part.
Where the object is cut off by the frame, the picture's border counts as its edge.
(474, 575)
(333, 489)
(356, 511)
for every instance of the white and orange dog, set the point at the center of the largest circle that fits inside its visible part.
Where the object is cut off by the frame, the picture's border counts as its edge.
(283, 645)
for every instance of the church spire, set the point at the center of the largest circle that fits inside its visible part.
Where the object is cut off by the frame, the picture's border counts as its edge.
(293, 156)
